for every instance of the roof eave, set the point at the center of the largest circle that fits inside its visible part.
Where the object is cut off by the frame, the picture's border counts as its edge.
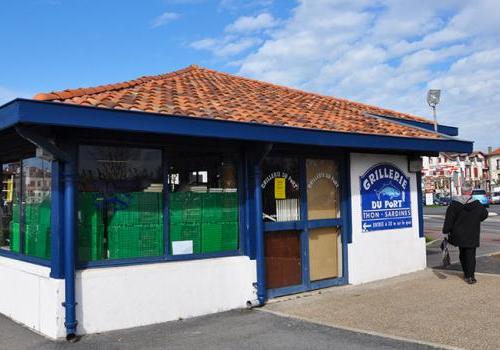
(69, 115)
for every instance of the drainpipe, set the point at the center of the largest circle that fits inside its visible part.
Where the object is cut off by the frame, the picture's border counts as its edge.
(69, 250)
(259, 227)
(68, 166)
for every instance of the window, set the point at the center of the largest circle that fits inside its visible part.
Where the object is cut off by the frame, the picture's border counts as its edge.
(203, 203)
(26, 207)
(280, 189)
(323, 195)
(120, 203)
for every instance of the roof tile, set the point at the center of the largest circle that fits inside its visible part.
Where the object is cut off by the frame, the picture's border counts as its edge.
(202, 92)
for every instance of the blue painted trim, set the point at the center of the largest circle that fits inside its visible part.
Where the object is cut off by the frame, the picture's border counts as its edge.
(325, 223)
(421, 232)
(284, 225)
(56, 222)
(346, 214)
(346, 197)
(443, 129)
(300, 288)
(48, 113)
(259, 234)
(249, 203)
(304, 234)
(240, 168)
(25, 258)
(69, 246)
(166, 203)
(156, 260)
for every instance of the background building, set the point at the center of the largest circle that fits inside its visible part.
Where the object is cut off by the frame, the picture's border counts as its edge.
(494, 166)
(456, 173)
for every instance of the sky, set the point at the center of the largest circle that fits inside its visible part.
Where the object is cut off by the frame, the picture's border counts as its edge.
(382, 52)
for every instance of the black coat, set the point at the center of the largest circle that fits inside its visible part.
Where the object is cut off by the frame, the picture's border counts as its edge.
(463, 223)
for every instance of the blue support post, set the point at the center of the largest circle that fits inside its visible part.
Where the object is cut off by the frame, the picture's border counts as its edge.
(69, 249)
(259, 234)
(420, 208)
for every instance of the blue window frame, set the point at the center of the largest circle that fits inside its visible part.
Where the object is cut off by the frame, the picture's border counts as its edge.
(168, 159)
(305, 227)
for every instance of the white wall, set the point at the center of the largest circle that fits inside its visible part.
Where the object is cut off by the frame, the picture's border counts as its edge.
(381, 254)
(124, 297)
(131, 296)
(29, 296)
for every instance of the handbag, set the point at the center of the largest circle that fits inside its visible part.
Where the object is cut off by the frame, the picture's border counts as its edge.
(445, 253)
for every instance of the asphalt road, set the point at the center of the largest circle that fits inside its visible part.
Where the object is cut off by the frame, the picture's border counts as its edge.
(490, 238)
(228, 330)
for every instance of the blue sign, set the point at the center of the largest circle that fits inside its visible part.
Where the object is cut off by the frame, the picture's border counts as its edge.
(385, 198)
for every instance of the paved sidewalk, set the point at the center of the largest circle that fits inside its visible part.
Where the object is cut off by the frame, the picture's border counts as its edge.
(430, 306)
(242, 330)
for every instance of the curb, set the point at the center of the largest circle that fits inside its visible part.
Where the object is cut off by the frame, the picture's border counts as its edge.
(363, 331)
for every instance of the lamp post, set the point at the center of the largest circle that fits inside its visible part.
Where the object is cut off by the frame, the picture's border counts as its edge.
(433, 100)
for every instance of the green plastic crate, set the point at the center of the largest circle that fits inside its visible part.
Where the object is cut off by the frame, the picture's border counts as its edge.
(90, 242)
(15, 237)
(186, 232)
(211, 237)
(135, 241)
(185, 207)
(16, 213)
(230, 235)
(90, 210)
(37, 241)
(138, 208)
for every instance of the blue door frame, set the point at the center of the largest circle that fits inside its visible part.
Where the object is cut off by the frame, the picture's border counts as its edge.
(304, 225)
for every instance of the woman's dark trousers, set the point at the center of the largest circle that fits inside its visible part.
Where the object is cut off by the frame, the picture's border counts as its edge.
(468, 261)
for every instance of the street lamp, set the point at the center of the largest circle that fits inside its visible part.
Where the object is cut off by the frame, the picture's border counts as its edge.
(433, 100)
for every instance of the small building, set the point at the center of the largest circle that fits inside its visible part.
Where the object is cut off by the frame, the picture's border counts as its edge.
(494, 166)
(194, 192)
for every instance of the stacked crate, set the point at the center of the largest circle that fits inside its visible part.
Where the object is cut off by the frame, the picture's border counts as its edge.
(90, 226)
(185, 218)
(135, 226)
(219, 222)
(36, 229)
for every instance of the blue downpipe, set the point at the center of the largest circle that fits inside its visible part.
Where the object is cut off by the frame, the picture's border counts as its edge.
(259, 233)
(69, 250)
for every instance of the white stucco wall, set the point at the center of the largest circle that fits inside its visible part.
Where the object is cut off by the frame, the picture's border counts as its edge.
(29, 296)
(131, 296)
(123, 297)
(386, 253)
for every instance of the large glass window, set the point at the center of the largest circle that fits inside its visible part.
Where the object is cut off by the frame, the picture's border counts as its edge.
(280, 189)
(203, 203)
(26, 207)
(120, 203)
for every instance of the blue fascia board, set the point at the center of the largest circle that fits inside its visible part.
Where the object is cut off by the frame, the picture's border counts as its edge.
(443, 129)
(67, 115)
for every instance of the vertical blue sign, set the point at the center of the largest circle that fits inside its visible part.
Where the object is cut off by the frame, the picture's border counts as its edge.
(385, 198)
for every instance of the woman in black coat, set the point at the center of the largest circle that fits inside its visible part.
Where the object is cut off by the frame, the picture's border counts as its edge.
(463, 224)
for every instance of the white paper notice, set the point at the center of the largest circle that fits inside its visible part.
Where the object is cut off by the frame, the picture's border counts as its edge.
(182, 247)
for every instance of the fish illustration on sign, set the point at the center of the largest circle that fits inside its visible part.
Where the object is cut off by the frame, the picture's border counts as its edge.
(388, 191)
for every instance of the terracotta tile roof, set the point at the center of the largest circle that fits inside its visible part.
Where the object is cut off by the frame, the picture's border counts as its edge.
(200, 92)
(495, 152)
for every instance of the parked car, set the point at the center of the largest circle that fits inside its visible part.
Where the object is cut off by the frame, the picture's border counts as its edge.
(495, 198)
(481, 196)
(442, 199)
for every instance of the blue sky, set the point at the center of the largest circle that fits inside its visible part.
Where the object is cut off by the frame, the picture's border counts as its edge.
(384, 52)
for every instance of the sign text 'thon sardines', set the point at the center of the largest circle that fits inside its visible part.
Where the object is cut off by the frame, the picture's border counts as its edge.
(385, 198)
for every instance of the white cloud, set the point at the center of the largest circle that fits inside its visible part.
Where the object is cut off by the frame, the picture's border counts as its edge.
(227, 46)
(389, 52)
(247, 24)
(164, 19)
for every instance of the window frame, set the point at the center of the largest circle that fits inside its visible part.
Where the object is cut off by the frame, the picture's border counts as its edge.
(167, 256)
(303, 225)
